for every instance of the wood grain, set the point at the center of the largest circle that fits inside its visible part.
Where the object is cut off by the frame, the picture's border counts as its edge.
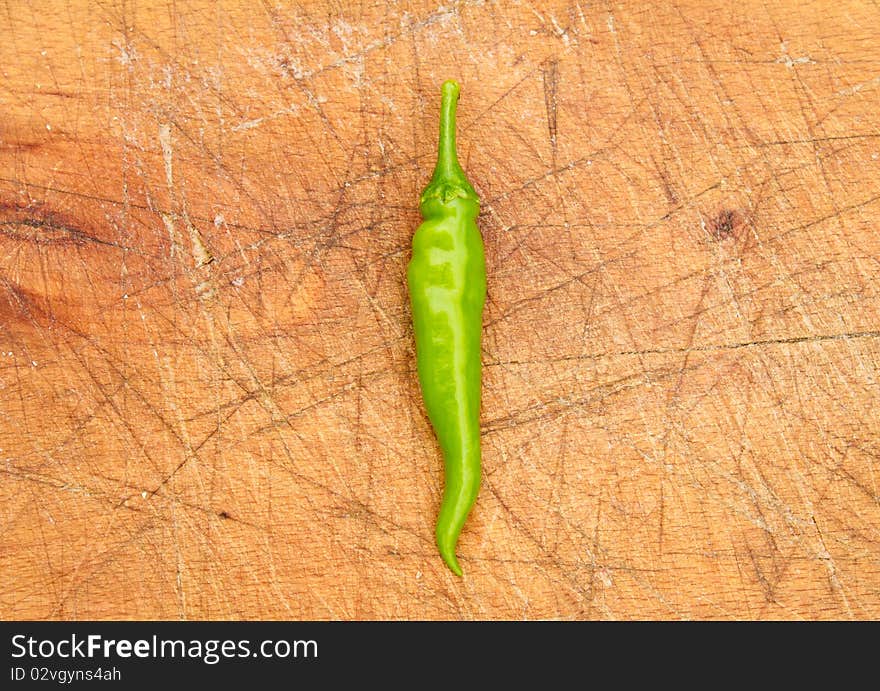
(206, 365)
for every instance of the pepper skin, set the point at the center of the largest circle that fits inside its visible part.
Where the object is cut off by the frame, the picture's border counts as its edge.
(447, 286)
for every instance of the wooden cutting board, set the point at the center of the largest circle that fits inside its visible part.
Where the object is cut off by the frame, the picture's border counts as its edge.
(207, 386)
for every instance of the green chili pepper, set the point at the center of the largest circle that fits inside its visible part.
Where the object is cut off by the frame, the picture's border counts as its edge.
(447, 285)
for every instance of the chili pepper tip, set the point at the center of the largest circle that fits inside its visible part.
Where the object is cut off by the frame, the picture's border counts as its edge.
(448, 554)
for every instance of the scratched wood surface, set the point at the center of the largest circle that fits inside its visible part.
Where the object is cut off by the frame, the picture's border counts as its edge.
(207, 389)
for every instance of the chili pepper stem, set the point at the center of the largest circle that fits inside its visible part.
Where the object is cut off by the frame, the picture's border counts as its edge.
(448, 180)
(447, 157)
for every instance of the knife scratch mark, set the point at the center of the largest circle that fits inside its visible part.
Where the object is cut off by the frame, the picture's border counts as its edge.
(550, 71)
